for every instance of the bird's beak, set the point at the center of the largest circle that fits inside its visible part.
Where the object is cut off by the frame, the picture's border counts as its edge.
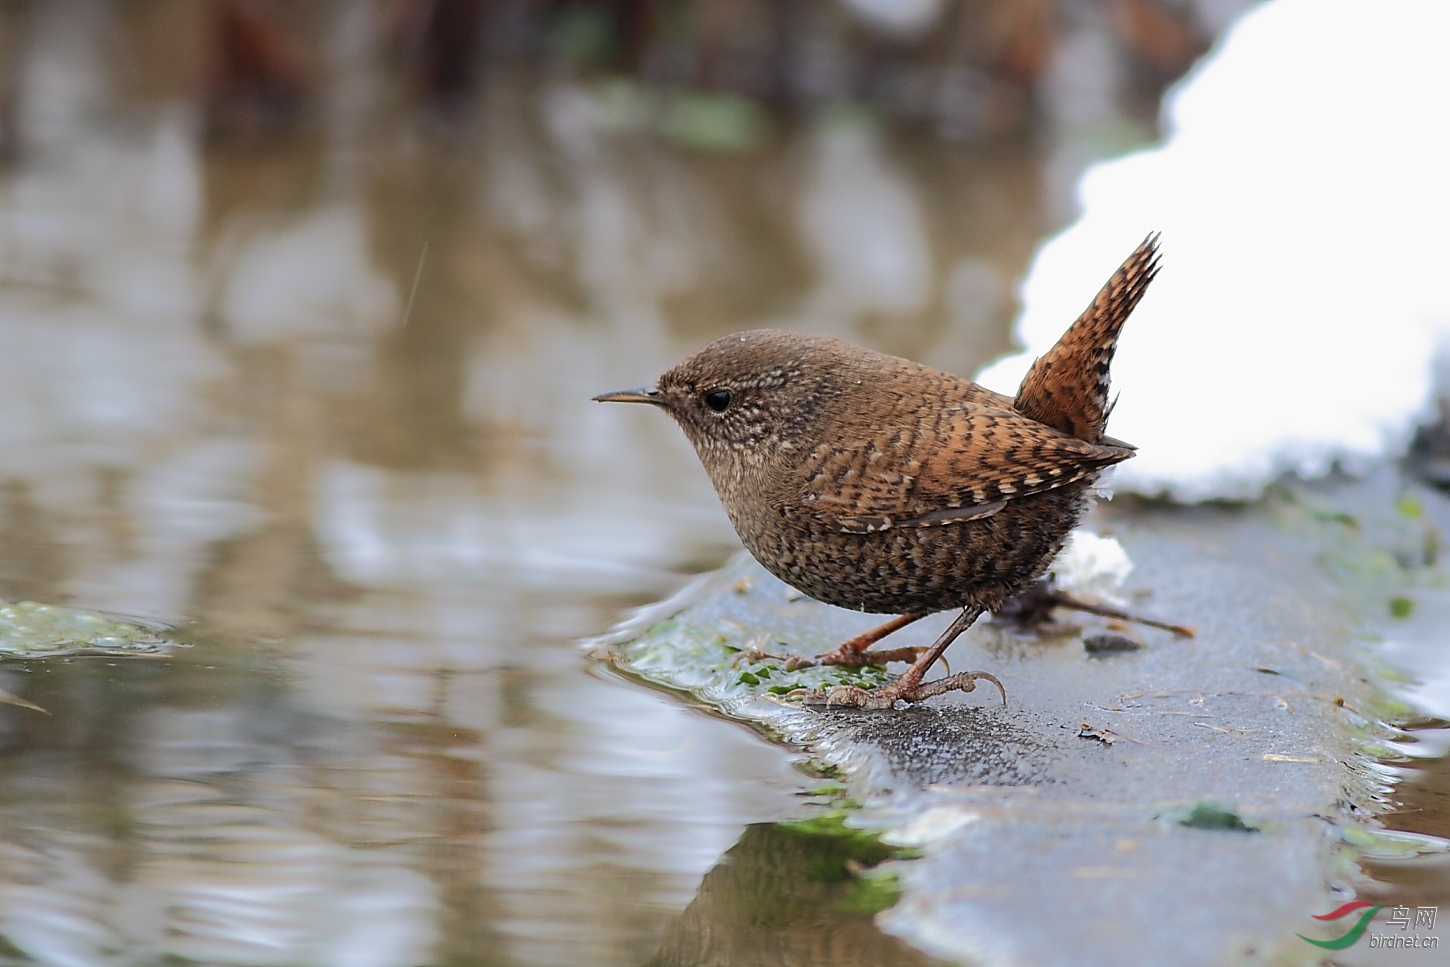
(645, 394)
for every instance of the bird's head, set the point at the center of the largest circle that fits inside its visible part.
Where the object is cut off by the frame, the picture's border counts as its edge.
(747, 398)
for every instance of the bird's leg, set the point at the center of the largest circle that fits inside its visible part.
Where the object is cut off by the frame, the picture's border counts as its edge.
(853, 653)
(909, 686)
(1033, 607)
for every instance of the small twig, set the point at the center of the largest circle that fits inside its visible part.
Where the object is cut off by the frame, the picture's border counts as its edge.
(1224, 730)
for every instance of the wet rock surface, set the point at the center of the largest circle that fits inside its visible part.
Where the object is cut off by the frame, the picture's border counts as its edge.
(1194, 801)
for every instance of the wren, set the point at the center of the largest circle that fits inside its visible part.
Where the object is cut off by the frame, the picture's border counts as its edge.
(878, 484)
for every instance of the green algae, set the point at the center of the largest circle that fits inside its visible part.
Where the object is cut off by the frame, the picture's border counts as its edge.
(32, 630)
(851, 858)
(708, 659)
(1211, 815)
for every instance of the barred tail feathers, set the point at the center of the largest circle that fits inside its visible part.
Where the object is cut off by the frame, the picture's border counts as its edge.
(1067, 388)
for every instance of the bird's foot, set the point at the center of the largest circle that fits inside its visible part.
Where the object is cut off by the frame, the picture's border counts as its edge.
(754, 651)
(842, 655)
(901, 690)
(852, 658)
(855, 653)
(752, 656)
(909, 687)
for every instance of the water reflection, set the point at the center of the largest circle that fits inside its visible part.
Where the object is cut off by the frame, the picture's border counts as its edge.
(387, 510)
(778, 897)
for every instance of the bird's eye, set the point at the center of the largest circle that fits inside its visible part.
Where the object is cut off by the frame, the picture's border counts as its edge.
(718, 400)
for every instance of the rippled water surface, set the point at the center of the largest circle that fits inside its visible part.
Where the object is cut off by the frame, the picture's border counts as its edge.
(320, 400)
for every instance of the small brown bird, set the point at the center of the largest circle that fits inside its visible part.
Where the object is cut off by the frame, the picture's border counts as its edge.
(874, 483)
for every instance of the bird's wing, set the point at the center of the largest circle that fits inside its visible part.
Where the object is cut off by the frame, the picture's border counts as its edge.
(960, 464)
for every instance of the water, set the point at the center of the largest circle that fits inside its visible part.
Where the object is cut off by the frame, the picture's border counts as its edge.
(319, 399)
(380, 515)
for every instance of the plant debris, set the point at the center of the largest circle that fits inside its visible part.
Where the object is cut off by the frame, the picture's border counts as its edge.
(1210, 815)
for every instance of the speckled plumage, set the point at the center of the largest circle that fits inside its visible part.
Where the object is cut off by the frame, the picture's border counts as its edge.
(875, 483)
(882, 485)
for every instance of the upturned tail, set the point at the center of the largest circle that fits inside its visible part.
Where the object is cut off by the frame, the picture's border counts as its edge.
(1068, 387)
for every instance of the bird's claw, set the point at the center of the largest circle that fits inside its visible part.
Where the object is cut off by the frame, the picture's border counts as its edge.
(849, 696)
(844, 696)
(752, 656)
(787, 662)
(849, 658)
